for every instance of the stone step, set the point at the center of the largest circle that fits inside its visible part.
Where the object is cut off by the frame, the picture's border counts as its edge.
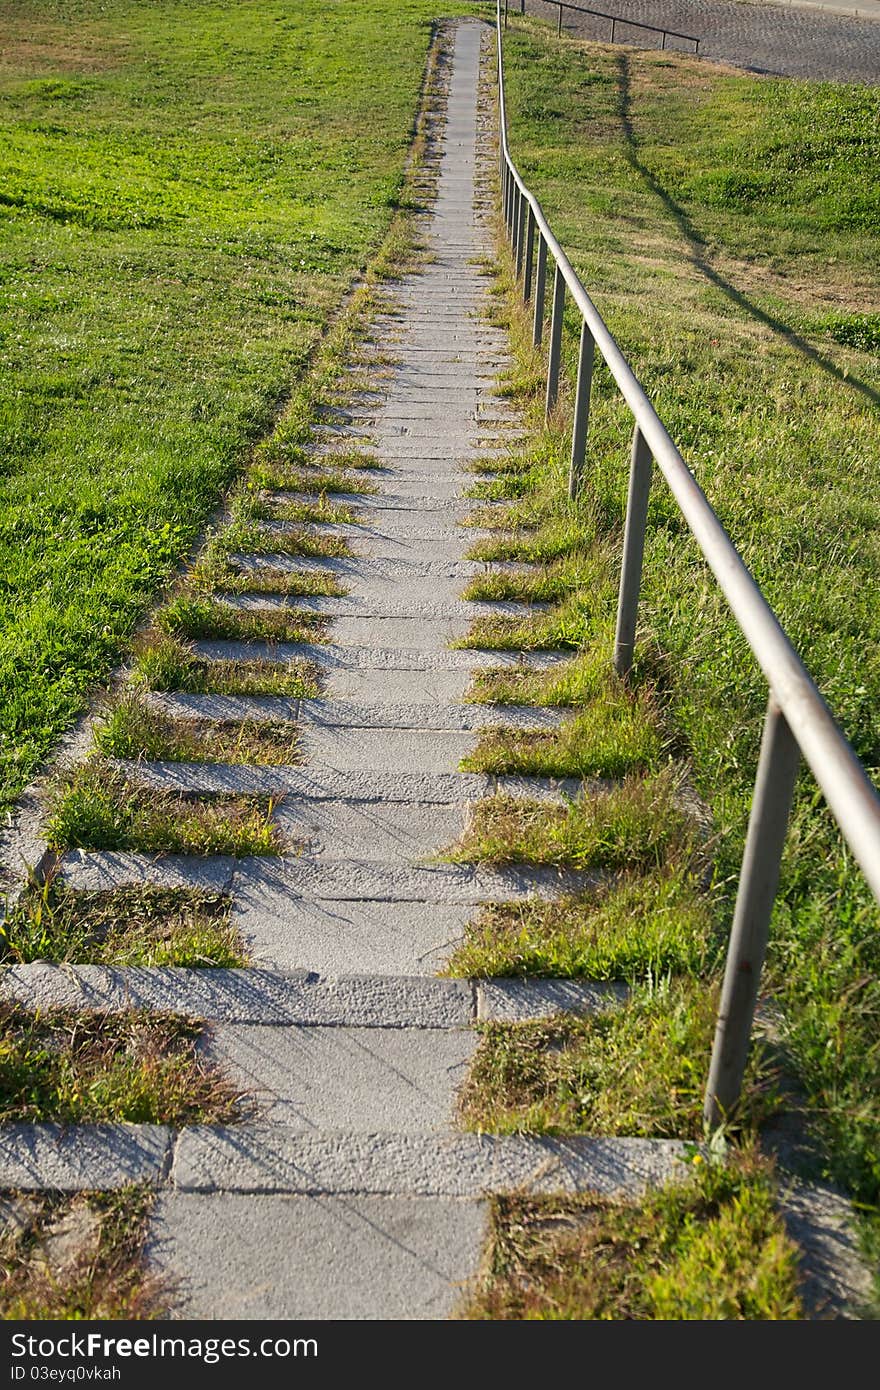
(371, 658)
(409, 633)
(330, 880)
(386, 832)
(275, 1158)
(350, 569)
(343, 714)
(352, 880)
(323, 783)
(285, 1257)
(299, 998)
(355, 1079)
(344, 938)
(272, 1158)
(385, 602)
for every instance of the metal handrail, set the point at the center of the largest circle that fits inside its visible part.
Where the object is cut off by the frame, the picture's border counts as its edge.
(615, 20)
(798, 721)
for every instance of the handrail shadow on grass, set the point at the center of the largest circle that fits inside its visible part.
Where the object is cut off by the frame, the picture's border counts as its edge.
(696, 243)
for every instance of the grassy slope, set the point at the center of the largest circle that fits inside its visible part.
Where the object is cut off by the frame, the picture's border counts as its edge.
(186, 190)
(727, 227)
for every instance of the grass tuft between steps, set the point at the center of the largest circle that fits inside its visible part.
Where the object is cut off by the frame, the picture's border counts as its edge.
(638, 1070)
(606, 740)
(639, 824)
(164, 663)
(221, 575)
(628, 928)
(245, 537)
(275, 477)
(277, 507)
(712, 1246)
(98, 807)
(134, 730)
(123, 926)
(76, 1258)
(205, 619)
(73, 1067)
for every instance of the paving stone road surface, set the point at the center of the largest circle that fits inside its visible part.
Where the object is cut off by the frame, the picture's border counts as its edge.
(788, 40)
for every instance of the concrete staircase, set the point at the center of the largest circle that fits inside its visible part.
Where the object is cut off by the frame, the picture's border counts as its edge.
(351, 1193)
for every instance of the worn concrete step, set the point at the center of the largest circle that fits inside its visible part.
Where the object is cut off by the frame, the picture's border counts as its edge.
(331, 880)
(413, 634)
(392, 833)
(353, 568)
(353, 880)
(300, 998)
(343, 714)
(276, 1158)
(370, 658)
(385, 602)
(268, 1256)
(355, 1079)
(347, 749)
(371, 784)
(348, 714)
(410, 687)
(344, 938)
(102, 870)
(382, 937)
(76, 1158)
(271, 1158)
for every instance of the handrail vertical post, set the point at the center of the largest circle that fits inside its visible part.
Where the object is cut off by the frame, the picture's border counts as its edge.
(529, 255)
(613, 29)
(505, 14)
(559, 24)
(581, 410)
(540, 291)
(633, 552)
(759, 880)
(555, 340)
(520, 232)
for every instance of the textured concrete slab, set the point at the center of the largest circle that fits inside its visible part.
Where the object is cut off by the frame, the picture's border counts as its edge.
(286, 1258)
(354, 1079)
(331, 658)
(836, 1279)
(272, 1158)
(340, 714)
(516, 1001)
(403, 687)
(351, 880)
(378, 601)
(321, 783)
(258, 709)
(355, 570)
(416, 634)
(101, 870)
(248, 996)
(341, 938)
(43, 1157)
(394, 832)
(394, 750)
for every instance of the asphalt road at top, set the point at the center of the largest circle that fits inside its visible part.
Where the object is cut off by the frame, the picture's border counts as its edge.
(787, 40)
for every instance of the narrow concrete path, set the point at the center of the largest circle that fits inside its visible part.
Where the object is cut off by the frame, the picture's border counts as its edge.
(391, 1221)
(351, 1192)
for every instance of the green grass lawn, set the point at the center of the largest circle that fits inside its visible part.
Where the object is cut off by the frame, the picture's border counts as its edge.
(186, 191)
(728, 227)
